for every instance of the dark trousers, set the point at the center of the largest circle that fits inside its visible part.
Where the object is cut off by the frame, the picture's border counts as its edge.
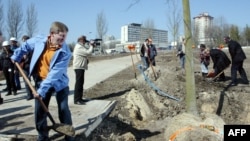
(182, 61)
(152, 60)
(217, 71)
(238, 66)
(10, 80)
(78, 92)
(63, 112)
(145, 62)
(28, 90)
(17, 80)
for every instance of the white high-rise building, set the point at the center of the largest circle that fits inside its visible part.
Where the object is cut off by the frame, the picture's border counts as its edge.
(136, 34)
(202, 24)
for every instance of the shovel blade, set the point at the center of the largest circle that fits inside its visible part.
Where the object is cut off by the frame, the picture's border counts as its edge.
(65, 129)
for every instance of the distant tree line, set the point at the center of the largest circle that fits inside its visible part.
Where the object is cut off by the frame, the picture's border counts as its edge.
(220, 28)
(215, 33)
(15, 23)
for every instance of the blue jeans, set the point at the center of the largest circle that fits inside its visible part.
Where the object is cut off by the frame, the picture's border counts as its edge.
(63, 112)
(28, 90)
(204, 68)
(145, 62)
(182, 61)
(17, 80)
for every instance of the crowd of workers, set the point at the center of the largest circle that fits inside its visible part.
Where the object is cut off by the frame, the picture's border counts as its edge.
(220, 61)
(46, 59)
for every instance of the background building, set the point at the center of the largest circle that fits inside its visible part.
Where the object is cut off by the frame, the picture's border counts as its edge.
(136, 34)
(202, 24)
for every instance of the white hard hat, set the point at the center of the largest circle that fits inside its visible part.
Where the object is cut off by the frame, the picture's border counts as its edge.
(5, 43)
(13, 39)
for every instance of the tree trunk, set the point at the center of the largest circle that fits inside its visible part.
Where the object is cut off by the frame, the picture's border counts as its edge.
(191, 106)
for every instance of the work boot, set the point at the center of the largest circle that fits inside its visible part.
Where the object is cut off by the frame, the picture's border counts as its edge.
(19, 88)
(245, 82)
(233, 84)
(1, 100)
(14, 93)
(9, 93)
(204, 75)
(85, 99)
(5, 89)
(221, 79)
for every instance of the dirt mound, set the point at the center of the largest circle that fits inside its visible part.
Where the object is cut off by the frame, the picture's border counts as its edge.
(142, 114)
(187, 127)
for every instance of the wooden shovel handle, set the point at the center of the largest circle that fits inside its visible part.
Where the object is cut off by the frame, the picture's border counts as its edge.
(133, 64)
(151, 65)
(31, 87)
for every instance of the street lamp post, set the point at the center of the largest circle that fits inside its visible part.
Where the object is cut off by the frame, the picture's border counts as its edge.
(89, 34)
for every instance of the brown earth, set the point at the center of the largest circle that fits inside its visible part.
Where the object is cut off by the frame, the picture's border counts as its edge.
(142, 114)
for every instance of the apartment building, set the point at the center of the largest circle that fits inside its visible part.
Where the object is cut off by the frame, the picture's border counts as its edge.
(202, 24)
(134, 33)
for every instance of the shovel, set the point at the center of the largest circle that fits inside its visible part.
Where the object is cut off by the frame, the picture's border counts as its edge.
(131, 47)
(217, 75)
(65, 129)
(150, 63)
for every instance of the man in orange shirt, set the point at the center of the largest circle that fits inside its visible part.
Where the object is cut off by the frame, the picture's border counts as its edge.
(48, 66)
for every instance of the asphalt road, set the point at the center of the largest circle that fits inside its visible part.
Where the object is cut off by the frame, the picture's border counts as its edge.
(16, 113)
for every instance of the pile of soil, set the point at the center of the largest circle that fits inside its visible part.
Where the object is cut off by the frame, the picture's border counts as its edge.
(142, 114)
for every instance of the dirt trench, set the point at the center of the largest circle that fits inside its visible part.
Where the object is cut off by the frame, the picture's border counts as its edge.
(141, 114)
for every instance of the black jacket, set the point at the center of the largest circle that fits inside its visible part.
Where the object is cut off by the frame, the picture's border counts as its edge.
(26, 61)
(236, 51)
(142, 51)
(152, 51)
(220, 59)
(6, 62)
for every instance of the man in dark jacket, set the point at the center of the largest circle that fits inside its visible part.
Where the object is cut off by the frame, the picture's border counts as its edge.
(148, 52)
(144, 53)
(8, 68)
(152, 52)
(237, 56)
(220, 62)
(26, 66)
(1, 99)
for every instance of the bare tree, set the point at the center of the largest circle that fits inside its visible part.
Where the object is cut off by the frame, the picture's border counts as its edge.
(189, 62)
(174, 19)
(149, 26)
(31, 20)
(134, 2)
(246, 34)
(234, 32)
(1, 16)
(209, 40)
(218, 30)
(195, 31)
(214, 35)
(14, 18)
(101, 26)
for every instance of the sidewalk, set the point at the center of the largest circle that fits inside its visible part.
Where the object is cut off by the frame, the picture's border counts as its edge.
(16, 113)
